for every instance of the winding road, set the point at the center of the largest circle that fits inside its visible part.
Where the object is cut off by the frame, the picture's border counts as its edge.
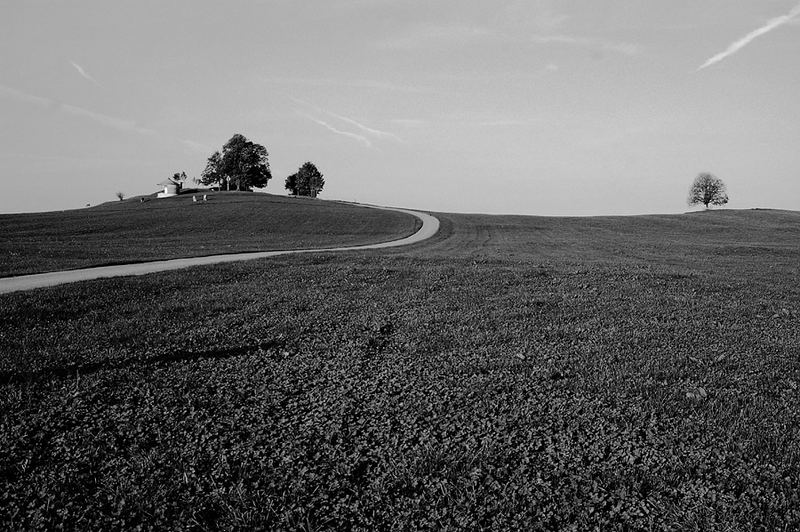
(430, 226)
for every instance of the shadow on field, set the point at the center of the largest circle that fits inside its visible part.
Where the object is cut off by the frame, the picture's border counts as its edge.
(165, 359)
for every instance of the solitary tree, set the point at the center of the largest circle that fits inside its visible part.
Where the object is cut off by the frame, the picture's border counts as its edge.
(708, 190)
(120, 195)
(308, 181)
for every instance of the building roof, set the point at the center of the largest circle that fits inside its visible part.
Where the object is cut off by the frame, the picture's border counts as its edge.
(168, 182)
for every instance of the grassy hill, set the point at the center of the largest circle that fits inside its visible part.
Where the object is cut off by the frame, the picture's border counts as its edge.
(229, 222)
(634, 373)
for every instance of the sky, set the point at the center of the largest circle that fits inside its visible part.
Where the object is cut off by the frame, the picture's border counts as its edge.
(570, 107)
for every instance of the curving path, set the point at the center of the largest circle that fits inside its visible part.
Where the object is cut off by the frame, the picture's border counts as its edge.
(430, 225)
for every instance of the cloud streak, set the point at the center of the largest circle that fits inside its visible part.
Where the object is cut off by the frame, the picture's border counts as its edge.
(84, 74)
(426, 36)
(355, 136)
(747, 39)
(368, 131)
(370, 84)
(120, 124)
(26, 98)
(624, 48)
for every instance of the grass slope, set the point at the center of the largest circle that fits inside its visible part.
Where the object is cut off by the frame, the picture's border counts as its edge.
(132, 231)
(511, 373)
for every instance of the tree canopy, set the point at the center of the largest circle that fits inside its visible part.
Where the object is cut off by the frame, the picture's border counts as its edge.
(212, 174)
(707, 189)
(242, 165)
(307, 181)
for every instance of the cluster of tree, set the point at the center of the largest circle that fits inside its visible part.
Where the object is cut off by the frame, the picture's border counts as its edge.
(707, 189)
(242, 165)
(307, 181)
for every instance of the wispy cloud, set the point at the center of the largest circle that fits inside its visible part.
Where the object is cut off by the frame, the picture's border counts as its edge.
(369, 131)
(466, 120)
(83, 73)
(21, 96)
(87, 161)
(49, 103)
(386, 86)
(121, 124)
(359, 138)
(371, 84)
(525, 16)
(197, 146)
(624, 48)
(747, 39)
(114, 122)
(426, 36)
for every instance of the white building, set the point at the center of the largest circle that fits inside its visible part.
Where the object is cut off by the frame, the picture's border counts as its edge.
(171, 188)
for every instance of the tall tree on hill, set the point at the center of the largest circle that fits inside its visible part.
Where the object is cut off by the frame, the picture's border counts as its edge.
(308, 181)
(707, 189)
(246, 163)
(242, 165)
(213, 175)
(291, 184)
